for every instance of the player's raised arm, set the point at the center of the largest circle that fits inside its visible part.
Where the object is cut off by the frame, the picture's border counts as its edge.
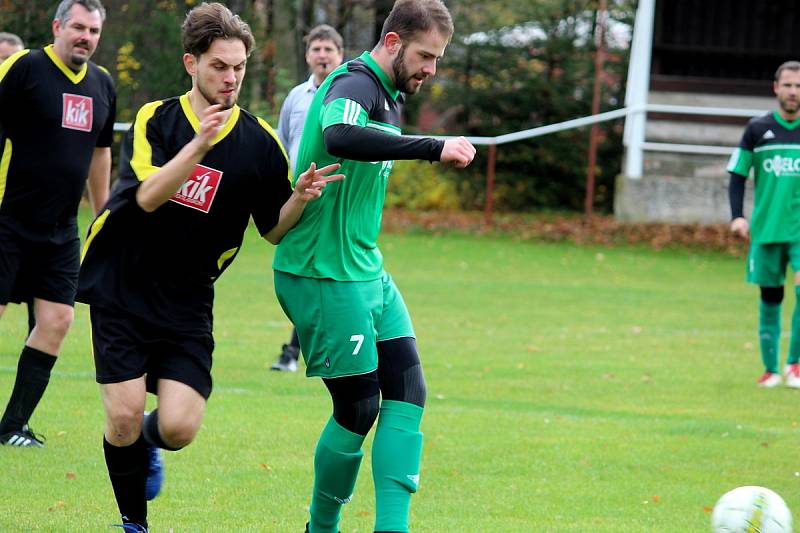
(308, 188)
(162, 184)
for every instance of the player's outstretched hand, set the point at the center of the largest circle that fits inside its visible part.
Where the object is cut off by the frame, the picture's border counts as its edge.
(458, 151)
(311, 182)
(740, 227)
(212, 121)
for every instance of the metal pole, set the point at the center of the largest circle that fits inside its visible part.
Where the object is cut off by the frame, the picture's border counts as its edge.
(595, 131)
(638, 86)
(487, 211)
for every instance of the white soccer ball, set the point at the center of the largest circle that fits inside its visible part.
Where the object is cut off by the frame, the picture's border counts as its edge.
(751, 510)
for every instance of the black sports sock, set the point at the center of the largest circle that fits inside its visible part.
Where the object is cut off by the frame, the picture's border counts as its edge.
(33, 375)
(295, 342)
(127, 469)
(151, 434)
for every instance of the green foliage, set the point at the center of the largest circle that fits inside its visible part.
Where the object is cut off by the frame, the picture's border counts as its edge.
(420, 185)
(491, 84)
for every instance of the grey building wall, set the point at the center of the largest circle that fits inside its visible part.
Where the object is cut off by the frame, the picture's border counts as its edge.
(685, 188)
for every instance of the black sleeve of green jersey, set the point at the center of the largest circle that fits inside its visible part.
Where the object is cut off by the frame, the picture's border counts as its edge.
(749, 137)
(363, 144)
(736, 195)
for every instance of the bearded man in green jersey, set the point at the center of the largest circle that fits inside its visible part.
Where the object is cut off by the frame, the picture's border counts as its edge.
(354, 328)
(771, 147)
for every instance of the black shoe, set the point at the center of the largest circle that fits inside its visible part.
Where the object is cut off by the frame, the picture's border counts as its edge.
(307, 528)
(287, 362)
(131, 527)
(23, 438)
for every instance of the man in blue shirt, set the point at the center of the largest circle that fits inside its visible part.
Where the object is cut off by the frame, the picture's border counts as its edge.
(324, 52)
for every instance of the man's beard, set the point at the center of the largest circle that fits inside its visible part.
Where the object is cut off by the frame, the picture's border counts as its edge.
(78, 60)
(789, 106)
(226, 103)
(401, 75)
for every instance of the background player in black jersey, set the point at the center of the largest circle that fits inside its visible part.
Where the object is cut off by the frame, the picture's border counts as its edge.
(193, 170)
(9, 44)
(57, 113)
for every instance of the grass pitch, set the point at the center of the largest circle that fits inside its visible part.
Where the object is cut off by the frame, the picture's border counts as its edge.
(570, 389)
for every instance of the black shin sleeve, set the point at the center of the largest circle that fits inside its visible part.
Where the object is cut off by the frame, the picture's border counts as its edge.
(355, 401)
(400, 371)
(771, 295)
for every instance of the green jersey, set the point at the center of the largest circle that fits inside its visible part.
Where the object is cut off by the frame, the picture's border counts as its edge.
(771, 147)
(336, 236)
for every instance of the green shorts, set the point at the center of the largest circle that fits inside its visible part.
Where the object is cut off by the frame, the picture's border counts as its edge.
(766, 263)
(340, 322)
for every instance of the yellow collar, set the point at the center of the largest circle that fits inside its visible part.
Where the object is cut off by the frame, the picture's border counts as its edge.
(195, 122)
(74, 77)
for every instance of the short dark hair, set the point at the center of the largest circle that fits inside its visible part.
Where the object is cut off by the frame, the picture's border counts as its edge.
(788, 65)
(10, 38)
(323, 32)
(210, 21)
(409, 17)
(62, 11)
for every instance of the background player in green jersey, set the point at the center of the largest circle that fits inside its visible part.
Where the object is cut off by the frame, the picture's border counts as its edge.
(771, 147)
(354, 328)
(57, 113)
(193, 170)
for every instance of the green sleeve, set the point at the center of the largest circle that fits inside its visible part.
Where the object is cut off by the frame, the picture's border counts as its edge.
(344, 111)
(740, 162)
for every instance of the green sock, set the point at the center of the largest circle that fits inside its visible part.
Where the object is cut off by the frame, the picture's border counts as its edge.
(769, 333)
(396, 457)
(336, 462)
(794, 344)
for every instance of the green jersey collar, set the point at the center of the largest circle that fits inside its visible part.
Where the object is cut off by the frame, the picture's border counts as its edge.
(785, 123)
(376, 68)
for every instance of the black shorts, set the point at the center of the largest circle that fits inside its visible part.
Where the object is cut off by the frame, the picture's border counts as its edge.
(127, 347)
(37, 269)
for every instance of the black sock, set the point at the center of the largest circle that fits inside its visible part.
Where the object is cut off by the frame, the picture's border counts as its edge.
(295, 342)
(151, 434)
(33, 375)
(127, 469)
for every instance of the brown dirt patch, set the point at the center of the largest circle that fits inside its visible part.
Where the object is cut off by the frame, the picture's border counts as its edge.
(597, 230)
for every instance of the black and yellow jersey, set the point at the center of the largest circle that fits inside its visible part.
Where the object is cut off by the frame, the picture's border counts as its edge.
(51, 120)
(161, 266)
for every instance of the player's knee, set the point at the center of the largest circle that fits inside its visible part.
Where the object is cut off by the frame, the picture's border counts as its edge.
(178, 434)
(56, 322)
(400, 371)
(356, 401)
(123, 425)
(771, 295)
(415, 390)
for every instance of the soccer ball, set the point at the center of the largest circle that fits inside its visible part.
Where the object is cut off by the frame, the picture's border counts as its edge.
(751, 510)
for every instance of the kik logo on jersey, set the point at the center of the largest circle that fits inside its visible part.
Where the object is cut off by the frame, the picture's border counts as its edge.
(77, 112)
(199, 190)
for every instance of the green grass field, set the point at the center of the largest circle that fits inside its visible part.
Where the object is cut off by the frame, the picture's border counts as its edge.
(569, 389)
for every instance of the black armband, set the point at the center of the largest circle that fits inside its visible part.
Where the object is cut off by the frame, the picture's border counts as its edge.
(736, 195)
(364, 144)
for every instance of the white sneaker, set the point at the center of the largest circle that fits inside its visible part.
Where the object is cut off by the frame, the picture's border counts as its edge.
(793, 375)
(769, 380)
